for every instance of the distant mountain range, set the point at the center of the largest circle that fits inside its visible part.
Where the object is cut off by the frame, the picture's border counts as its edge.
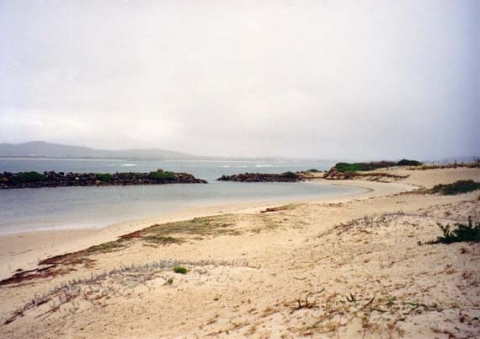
(41, 149)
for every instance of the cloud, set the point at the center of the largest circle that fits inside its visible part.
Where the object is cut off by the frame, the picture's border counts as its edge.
(321, 79)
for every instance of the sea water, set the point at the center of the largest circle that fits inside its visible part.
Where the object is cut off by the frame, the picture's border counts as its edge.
(92, 207)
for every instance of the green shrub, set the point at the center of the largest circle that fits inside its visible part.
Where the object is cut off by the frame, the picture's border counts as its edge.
(31, 176)
(458, 187)
(161, 175)
(406, 162)
(180, 270)
(346, 167)
(313, 170)
(289, 175)
(363, 166)
(105, 177)
(462, 232)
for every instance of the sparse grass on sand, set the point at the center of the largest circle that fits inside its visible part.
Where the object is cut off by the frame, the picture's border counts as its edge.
(458, 187)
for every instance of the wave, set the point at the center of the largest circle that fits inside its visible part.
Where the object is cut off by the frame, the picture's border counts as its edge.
(128, 165)
(228, 166)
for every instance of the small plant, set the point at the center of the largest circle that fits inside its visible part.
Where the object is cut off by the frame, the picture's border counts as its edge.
(180, 270)
(462, 232)
(169, 281)
(313, 170)
(458, 187)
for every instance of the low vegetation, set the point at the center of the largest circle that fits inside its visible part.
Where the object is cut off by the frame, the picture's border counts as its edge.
(352, 167)
(370, 166)
(204, 226)
(161, 175)
(475, 164)
(461, 232)
(106, 247)
(162, 240)
(289, 175)
(458, 187)
(95, 289)
(180, 270)
(406, 162)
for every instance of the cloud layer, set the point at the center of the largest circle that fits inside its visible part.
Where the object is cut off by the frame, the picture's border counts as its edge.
(363, 79)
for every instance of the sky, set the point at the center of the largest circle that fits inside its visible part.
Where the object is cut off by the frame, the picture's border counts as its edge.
(372, 79)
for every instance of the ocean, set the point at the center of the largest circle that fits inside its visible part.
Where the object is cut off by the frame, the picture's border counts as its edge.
(38, 209)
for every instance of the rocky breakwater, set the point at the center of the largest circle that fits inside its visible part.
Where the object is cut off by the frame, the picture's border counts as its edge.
(263, 177)
(53, 179)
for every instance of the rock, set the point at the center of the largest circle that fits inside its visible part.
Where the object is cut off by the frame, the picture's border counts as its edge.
(262, 177)
(334, 174)
(53, 179)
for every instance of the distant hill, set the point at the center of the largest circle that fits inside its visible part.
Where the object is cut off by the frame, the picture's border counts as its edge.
(41, 149)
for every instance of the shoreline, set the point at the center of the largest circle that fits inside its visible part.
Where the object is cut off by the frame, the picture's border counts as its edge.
(23, 250)
(99, 207)
(361, 265)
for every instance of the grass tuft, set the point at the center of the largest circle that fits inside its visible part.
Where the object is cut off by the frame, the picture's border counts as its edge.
(180, 270)
(162, 240)
(461, 232)
(106, 247)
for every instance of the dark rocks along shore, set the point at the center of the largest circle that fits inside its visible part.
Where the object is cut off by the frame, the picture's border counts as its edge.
(262, 177)
(53, 179)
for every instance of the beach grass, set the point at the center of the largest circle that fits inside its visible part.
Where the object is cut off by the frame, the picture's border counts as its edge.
(458, 187)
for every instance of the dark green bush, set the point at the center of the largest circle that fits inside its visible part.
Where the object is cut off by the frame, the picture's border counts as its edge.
(346, 167)
(31, 176)
(289, 175)
(180, 270)
(161, 175)
(458, 187)
(462, 232)
(406, 162)
(313, 170)
(363, 166)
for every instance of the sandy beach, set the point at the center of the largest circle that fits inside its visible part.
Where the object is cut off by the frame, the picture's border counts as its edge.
(350, 267)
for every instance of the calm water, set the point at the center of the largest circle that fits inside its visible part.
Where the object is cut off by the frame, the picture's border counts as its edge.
(82, 207)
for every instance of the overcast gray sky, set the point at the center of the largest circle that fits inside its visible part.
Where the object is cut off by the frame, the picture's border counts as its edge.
(352, 79)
